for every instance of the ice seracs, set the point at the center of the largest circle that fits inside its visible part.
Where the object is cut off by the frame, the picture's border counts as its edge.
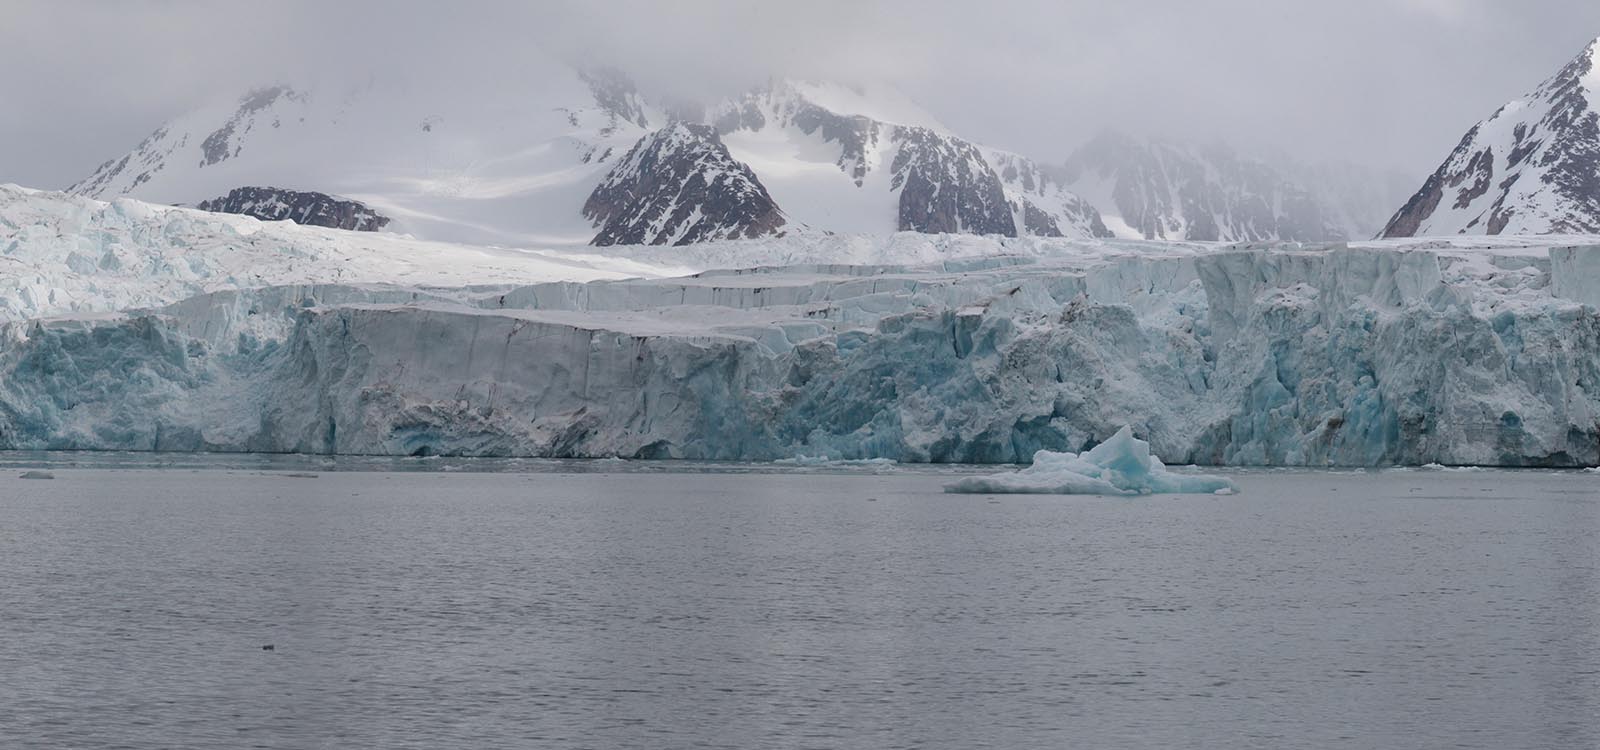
(1122, 465)
(130, 326)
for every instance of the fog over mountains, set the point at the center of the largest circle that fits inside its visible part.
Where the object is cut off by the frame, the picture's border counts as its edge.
(587, 157)
(501, 122)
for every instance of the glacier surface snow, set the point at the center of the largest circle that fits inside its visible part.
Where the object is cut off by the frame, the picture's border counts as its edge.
(910, 348)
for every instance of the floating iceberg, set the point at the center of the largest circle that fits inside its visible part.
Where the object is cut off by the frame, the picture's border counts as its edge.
(1119, 466)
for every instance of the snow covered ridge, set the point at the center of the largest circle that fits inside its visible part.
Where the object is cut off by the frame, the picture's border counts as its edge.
(548, 167)
(269, 337)
(1533, 167)
(678, 185)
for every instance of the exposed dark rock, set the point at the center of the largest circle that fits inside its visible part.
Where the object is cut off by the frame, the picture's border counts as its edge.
(308, 208)
(1551, 142)
(614, 92)
(1043, 206)
(219, 146)
(854, 134)
(679, 185)
(947, 186)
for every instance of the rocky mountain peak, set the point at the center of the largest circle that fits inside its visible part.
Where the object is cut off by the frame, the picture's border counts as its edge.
(680, 185)
(1533, 167)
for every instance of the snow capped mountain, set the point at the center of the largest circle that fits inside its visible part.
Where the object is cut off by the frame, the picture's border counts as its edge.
(441, 162)
(1531, 168)
(867, 161)
(582, 157)
(1161, 190)
(678, 185)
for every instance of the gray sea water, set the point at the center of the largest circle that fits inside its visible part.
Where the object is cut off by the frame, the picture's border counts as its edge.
(608, 605)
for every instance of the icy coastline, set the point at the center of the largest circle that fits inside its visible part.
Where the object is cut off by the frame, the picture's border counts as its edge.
(1457, 351)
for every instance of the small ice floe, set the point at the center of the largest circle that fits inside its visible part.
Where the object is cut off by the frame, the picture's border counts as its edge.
(37, 475)
(804, 460)
(1119, 466)
(1593, 470)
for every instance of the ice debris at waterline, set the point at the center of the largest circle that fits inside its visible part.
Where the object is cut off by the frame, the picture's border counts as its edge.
(1119, 466)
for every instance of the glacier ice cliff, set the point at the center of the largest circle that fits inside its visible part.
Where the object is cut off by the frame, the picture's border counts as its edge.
(127, 326)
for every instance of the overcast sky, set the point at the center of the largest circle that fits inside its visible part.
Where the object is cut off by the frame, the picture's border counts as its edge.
(1388, 83)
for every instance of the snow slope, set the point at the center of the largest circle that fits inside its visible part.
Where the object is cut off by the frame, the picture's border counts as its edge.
(1455, 351)
(440, 158)
(870, 162)
(62, 253)
(1531, 168)
(451, 162)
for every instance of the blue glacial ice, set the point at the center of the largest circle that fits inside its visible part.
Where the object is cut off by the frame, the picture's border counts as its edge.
(1396, 352)
(1122, 465)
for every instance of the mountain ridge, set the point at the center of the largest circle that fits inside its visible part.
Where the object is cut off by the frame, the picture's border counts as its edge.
(1533, 167)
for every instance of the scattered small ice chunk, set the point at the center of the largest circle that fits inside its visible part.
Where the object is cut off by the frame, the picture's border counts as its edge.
(804, 460)
(1119, 466)
(37, 475)
(1433, 466)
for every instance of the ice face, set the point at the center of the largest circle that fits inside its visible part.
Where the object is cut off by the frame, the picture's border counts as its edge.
(1121, 465)
(1385, 353)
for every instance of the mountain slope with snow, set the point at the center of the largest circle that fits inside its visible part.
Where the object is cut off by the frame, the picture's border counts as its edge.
(539, 168)
(1164, 190)
(870, 162)
(676, 186)
(1531, 168)
(441, 163)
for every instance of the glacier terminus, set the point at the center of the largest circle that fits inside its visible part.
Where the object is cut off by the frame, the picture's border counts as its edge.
(910, 347)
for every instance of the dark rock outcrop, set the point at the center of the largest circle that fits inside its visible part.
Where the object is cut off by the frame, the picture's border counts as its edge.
(1531, 168)
(679, 185)
(300, 207)
(947, 186)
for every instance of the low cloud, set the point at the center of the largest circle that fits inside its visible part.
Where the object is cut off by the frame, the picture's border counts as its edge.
(1380, 82)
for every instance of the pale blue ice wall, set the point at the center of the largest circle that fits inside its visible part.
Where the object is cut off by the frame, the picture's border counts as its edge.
(1251, 357)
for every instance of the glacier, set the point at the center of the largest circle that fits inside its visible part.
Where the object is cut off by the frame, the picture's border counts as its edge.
(912, 348)
(1122, 465)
